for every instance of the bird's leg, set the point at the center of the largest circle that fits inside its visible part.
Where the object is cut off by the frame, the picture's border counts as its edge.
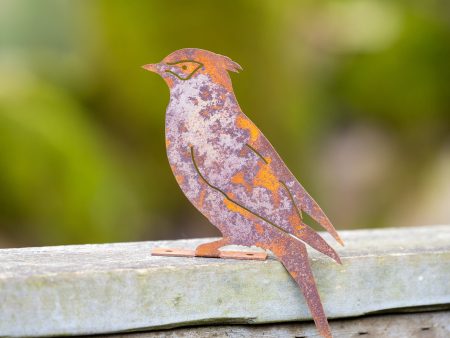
(211, 249)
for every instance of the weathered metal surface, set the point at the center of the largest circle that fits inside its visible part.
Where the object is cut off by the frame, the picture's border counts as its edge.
(117, 287)
(412, 325)
(231, 173)
(242, 255)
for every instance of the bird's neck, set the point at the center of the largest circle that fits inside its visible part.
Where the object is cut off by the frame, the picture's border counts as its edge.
(195, 111)
(198, 98)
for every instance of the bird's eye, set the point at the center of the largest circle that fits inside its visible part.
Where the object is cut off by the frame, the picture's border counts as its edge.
(184, 69)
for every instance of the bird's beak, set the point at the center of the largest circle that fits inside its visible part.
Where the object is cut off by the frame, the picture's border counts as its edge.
(152, 67)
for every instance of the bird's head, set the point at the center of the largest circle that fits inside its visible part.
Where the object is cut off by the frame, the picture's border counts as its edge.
(187, 64)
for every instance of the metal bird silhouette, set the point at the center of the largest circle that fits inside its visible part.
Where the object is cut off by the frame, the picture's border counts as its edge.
(232, 174)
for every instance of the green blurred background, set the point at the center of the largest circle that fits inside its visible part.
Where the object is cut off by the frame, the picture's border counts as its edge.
(353, 94)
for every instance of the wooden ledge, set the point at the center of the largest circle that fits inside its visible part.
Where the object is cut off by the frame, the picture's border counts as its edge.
(107, 288)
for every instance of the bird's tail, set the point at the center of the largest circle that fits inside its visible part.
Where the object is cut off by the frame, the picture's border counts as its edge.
(313, 239)
(292, 253)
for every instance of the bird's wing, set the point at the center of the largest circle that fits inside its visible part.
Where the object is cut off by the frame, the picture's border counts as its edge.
(302, 200)
(252, 176)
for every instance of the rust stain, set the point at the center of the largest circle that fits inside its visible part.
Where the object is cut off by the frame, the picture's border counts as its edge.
(296, 222)
(214, 71)
(266, 178)
(245, 123)
(294, 274)
(236, 208)
(279, 249)
(259, 229)
(180, 179)
(239, 178)
(201, 199)
(169, 82)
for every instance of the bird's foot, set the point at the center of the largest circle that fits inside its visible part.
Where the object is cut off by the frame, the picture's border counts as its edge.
(210, 249)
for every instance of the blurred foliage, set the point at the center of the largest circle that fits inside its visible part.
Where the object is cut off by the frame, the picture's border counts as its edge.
(353, 94)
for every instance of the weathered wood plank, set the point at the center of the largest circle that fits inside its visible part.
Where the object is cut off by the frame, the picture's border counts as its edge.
(116, 287)
(412, 325)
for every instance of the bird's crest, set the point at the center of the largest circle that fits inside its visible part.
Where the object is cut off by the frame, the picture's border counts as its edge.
(205, 57)
(230, 65)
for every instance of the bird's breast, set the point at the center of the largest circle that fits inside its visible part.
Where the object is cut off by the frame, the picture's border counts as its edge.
(203, 116)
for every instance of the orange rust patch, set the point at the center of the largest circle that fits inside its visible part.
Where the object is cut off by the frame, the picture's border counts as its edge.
(244, 123)
(265, 177)
(296, 223)
(259, 228)
(169, 81)
(180, 179)
(279, 249)
(216, 71)
(261, 245)
(240, 179)
(167, 142)
(201, 198)
(231, 195)
(300, 226)
(293, 220)
(236, 208)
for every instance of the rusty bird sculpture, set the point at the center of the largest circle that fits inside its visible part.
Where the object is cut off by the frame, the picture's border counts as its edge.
(232, 174)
